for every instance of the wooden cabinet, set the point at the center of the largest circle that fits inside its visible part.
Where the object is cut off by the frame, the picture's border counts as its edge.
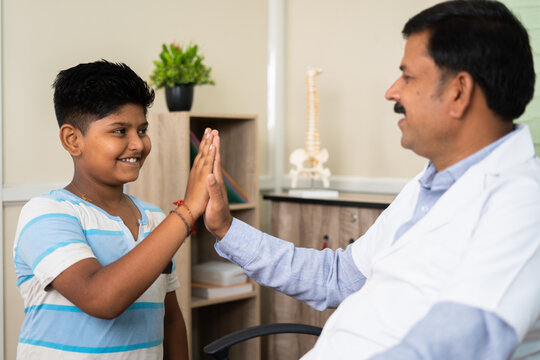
(163, 180)
(314, 223)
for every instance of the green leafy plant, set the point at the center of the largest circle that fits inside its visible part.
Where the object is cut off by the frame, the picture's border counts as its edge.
(180, 66)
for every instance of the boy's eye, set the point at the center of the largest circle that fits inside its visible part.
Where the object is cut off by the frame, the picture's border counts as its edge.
(143, 131)
(119, 131)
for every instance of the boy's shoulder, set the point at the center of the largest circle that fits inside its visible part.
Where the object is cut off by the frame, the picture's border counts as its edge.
(56, 200)
(145, 205)
(64, 203)
(54, 204)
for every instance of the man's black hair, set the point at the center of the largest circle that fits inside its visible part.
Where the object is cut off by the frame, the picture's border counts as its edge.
(485, 39)
(92, 91)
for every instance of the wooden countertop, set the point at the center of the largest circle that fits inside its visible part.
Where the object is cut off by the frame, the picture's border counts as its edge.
(373, 201)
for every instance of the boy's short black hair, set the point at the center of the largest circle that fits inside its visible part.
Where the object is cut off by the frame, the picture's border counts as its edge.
(485, 39)
(91, 91)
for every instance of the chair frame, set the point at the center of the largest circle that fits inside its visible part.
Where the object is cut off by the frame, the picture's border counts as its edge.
(219, 349)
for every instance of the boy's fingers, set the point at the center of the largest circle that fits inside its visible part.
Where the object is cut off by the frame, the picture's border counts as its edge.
(204, 139)
(210, 158)
(204, 146)
(210, 153)
(205, 142)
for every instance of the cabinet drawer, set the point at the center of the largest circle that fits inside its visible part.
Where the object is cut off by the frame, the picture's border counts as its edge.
(354, 222)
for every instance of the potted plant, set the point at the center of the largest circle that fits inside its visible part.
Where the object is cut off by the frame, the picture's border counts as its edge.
(178, 70)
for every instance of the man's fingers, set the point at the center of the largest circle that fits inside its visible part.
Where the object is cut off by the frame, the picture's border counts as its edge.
(212, 149)
(217, 160)
(214, 190)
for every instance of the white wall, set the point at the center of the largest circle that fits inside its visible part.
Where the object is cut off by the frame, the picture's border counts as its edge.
(358, 44)
(42, 37)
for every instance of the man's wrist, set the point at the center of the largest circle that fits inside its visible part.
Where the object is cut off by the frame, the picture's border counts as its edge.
(220, 234)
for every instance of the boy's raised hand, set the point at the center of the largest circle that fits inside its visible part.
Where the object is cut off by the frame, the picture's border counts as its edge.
(217, 217)
(196, 196)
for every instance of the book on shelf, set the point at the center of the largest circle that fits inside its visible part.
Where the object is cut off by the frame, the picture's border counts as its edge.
(208, 291)
(222, 273)
(234, 193)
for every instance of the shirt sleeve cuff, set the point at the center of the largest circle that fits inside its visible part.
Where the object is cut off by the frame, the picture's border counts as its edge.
(58, 261)
(240, 244)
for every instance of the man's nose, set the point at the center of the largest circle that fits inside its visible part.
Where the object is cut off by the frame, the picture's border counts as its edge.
(392, 94)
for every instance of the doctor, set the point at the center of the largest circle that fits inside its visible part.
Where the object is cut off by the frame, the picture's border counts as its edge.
(450, 269)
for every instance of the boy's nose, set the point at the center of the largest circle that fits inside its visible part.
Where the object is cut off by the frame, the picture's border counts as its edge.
(135, 143)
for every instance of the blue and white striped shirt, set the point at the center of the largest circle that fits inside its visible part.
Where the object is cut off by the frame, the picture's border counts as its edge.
(54, 232)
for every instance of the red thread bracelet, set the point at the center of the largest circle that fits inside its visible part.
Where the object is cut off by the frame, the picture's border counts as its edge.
(182, 203)
(189, 231)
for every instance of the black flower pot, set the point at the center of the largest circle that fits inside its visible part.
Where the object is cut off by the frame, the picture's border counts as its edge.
(179, 98)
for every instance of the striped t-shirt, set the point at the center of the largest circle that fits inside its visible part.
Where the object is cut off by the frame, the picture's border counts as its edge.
(54, 232)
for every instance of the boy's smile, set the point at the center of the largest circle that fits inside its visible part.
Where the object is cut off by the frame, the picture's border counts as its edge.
(114, 148)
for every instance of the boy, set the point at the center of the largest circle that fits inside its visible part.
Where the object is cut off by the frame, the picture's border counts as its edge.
(93, 264)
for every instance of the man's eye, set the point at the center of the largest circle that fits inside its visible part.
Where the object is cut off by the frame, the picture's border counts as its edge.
(407, 78)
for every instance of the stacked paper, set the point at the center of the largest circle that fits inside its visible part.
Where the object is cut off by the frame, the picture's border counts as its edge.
(218, 273)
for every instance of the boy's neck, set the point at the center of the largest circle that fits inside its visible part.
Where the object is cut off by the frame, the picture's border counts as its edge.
(106, 197)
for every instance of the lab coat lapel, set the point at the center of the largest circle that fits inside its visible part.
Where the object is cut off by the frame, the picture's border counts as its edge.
(503, 160)
(457, 198)
(469, 186)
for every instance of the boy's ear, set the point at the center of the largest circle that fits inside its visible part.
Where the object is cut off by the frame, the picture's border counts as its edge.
(71, 138)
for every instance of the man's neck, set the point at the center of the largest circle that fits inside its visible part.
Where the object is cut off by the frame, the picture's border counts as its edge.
(472, 141)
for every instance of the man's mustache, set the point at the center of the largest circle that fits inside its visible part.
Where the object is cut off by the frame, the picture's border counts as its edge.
(399, 109)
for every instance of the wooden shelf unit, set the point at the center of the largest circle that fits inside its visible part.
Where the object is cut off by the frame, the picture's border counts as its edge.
(163, 179)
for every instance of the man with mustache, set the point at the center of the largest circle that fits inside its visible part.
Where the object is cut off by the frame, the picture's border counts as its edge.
(450, 269)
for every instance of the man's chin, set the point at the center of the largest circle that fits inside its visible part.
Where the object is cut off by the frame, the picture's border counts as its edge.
(405, 143)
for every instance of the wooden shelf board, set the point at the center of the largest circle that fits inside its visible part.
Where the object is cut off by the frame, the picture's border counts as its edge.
(199, 302)
(246, 206)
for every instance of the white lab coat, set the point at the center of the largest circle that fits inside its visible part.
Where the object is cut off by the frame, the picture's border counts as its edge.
(479, 245)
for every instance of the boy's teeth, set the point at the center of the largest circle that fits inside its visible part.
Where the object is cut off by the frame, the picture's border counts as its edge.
(129, 160)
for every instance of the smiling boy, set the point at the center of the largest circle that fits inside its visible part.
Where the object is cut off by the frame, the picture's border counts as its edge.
(93, 264)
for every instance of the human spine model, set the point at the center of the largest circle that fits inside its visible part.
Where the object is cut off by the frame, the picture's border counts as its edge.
(308, 162)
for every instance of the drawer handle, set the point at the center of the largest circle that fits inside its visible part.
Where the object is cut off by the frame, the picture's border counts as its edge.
(324, 242)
